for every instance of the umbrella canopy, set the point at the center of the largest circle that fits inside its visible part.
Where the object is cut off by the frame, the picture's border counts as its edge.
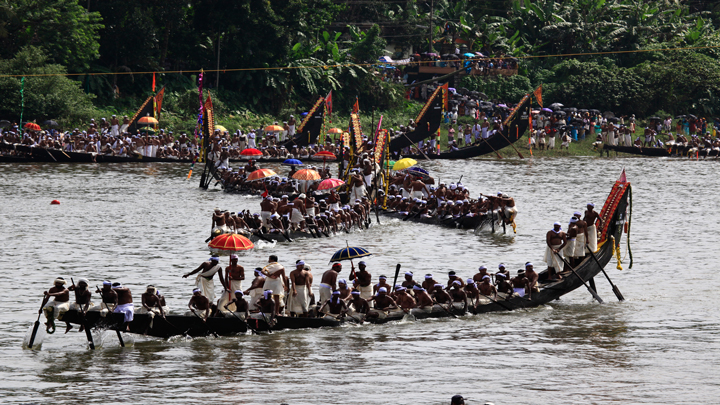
(220, 128)
(50, 123)
(261, 174)
(389, 163)
(546, 109)
(306, 174)
(335, 131)
(292, 162)
(385, 59)
(613, 119)
(251, 152)
(4, 123)
(469, 55)
(418, 171)
(692, 116)
(608, 114)
(324, 155)
(273, 128)
(349, 253)
(404, 164)
(330, 184)
(655, 119)
(230, 242)
(33, 126)
(556, 105)
(147, 121)
(679, 117)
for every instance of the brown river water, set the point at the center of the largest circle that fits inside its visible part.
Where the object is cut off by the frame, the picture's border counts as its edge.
(144, 223)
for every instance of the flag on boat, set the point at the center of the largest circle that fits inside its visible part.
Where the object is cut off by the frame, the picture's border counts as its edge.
(538, 95)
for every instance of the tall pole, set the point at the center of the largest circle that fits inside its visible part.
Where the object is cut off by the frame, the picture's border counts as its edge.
(430, 38)
(217, 79)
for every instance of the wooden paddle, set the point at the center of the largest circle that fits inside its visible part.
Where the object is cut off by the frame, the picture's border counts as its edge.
(511, 144)
(495, 301)
(204, 321)
(493, 149)
(594, 294)
(616, 290)
(446, 310)
(88, 334)
(397, 271)
(36, 326)
(119, 335)
(420, 150)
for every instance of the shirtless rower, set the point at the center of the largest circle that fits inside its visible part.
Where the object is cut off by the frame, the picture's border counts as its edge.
(473, 294)
(267, 208)
(382, 283)
(124, 304)
(297, 218)
(82, 300)
(357, 182)
(423, 299)
(198, 303)
(234, 276)
(360, 306)
(592, 218)
(109, 298)
(256, 288)
(487, 289)
(266, 307)
(276, 281)
(482, 272)
(363, 281)
(151, 304)
(429, 283)
(58, 306)
(345, 291)
(336, 307)
(555, 241)
(502, 283)
(404, 300)
(218, 221)
(532, 279)
(327, 282)
(439, 294)
(418, 189)
(239, 305)
(204, 280)
(409, 283)
(452, 278)
(457, 294)
(581, 238)
(383, 302)
(301, 281)
(520, 283)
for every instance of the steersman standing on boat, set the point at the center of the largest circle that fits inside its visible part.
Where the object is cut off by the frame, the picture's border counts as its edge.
(555, 241)
(591, 217)
(204, 280)
(276, 281)
(58, 306)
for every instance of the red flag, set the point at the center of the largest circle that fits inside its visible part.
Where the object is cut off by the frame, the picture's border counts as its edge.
(538, 95)
(356, 106)
(445, 95)
(153, 81)
(328, 103)
(265, 194)
(158, 102)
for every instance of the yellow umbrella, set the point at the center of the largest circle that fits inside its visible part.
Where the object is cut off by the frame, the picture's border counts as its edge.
(220, 128)
(404, 164)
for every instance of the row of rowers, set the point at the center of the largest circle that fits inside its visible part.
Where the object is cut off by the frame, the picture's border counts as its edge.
(278, 215)
(273, 291)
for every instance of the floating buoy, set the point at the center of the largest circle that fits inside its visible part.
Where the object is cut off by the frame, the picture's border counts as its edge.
(54, 202)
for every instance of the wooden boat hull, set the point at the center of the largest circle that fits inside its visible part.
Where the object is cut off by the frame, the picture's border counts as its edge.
(461, 223)
(633, 150)
(59, 156)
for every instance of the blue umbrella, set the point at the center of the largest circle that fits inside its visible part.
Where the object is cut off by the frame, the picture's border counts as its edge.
(349, 253)
(418, 171)
(469, 55)
(292, 162)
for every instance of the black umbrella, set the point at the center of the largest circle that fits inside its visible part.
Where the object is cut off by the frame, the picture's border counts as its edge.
(4, 123)
(50, 123)
(655, 119)
(613, 119)
(692, 116)
(582, 110)
(571, 109)
(679, 117)
(608, 114)
(556, 106)
(560, 113)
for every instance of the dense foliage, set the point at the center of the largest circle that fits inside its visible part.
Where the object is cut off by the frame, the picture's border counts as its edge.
(314, 46)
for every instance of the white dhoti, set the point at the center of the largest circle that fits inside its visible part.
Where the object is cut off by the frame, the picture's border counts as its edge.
(334, 206)
(592, 238)
(225, 297)
(128, 311)
(55, 309)
(417, 194)
(579, 250)
(366, 292)
(154, 150)
(299, 303)
(255, 294)
(552, 259)
(223, 228)
(265, 216)
(115, 130)
(77, 307)
(311, 212)
(151, 313)
(357, 193)
(148, 150)
(297, 216)
(510, 213)
(569, 249)
(276, 285)
(368, 179)
(325, 292)
(207, 287)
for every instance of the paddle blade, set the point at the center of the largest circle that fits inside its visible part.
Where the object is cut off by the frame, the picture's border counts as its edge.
(34, 337)
(618, 294)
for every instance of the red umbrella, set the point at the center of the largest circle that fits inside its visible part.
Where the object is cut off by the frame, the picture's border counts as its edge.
(33, 126)
(324, 155)
(251, 152)
(306, 174)
(335, 131)
(329, 184)
(260, 174)
(231, 242)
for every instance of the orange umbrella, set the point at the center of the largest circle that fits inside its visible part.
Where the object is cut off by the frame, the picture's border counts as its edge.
(324, 155)
(335, 131)
(274, 128)
(32, 126)
(260, 174)
(306, 174)
(231, 242)
(147, 120)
